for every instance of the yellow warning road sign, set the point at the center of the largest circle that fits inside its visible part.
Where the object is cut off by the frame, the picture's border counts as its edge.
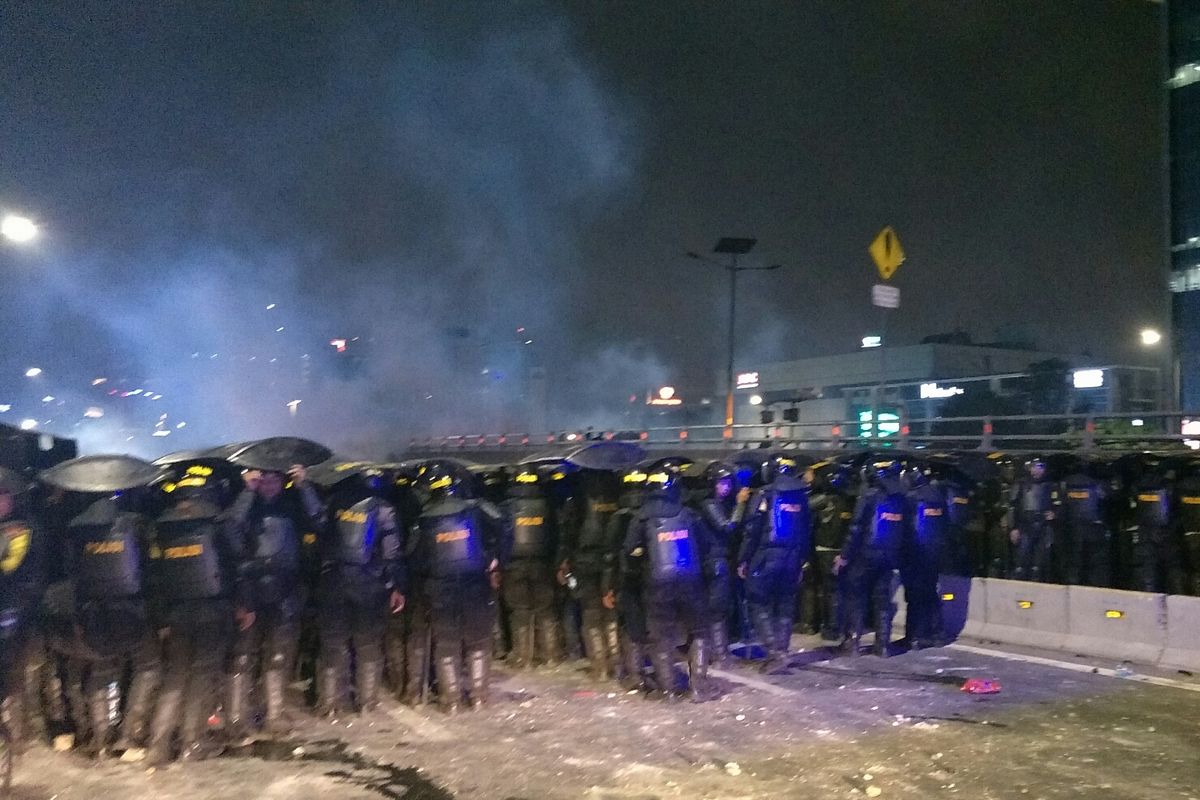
(887, 252)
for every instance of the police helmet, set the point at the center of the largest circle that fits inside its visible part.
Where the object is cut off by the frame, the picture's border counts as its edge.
(779, 465)
(883, 469)
(633, 478)
(375, 480)
(439, 479)
(665, 476)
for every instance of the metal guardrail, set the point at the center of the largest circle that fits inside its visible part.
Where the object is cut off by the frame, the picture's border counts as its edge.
(1042, 432)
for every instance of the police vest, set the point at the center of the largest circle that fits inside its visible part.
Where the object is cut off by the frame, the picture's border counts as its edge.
(276, 547)
(929, 521)
(16, 537)
(358, 532)
(451, 532)
(672, 548)
(110, 563)
(1037, 498)
(186, 562)
(887, 525)
(788, 522)
(532, 536)
(1153, 507)
(718, 520)
(958, 507)
(1188, 510)
(597, 511)
(1082, 502)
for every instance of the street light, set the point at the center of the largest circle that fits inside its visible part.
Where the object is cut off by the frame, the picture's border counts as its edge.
(1150, 337)
(732, 247)
(18, 229)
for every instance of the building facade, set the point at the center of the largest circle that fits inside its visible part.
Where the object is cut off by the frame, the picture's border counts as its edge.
(1184, 105)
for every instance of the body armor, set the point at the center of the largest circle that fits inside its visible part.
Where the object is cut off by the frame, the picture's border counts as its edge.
(109, 552)
(532, 539)
(188, 566)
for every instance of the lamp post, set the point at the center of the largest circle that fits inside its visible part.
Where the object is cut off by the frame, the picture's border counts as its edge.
(1169, 382)
(733, 247)
(18, 229)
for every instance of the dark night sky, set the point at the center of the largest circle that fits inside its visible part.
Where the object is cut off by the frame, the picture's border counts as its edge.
(404, 168)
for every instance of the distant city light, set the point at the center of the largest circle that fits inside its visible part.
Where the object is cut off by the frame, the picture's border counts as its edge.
(99, 381)
(28, 424)
(932, 391)
(1137, 423)
(48, 398)
(872, 341)
(18, 229)
(1088, 378)
(756, 399)
(161, 432)
(1151, 337)
(747, 380)
(181, 425)
(529, 341)
(5, 408)
(293, 407)
(666, 392)
(156, 397)
(338, 344)
(94, 412)
(279, 329)
(33, 372)
(270, 306)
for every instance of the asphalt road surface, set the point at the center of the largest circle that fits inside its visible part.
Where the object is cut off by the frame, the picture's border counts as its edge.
(824, 728)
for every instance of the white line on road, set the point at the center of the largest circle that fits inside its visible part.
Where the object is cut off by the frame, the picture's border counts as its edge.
(1053, 662)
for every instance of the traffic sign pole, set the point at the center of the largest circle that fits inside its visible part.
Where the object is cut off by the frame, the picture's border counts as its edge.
(888, 255)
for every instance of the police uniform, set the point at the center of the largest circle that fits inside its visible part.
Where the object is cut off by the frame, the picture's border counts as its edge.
(871, 556)
(22, 580)
(921, 558)
(587, 554)
(529, 578)
(1186, 519)
(191, 576)
(673, 544)
(268, 535)
(1035, 507)
(824, 593)
(454, 545)
(724, 517)
(361, 568)
(1088, 542)
(778, 539)
(110, 554)
(627, 584)
(1158, 564)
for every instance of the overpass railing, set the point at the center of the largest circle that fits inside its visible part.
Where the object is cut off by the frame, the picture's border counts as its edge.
(1159, 430)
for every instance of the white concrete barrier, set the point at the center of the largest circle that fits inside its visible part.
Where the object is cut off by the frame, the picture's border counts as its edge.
(976, 609)
(1182, 650)
(1025, 613)
(1110, 623)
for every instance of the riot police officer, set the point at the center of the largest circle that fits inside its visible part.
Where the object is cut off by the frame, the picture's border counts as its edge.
(192, 575)
(267, 523)
(723, 511)
(872, 552)
(1084, 498)
(832, 506)
(674, 543)
(529, 578)
(361, 583)
(110, 548)
(22, 580)
(456, 550)
(778, 539)
(1186, 518)
(1034, 513)
(623, 589)
(585, 556)
(921, 557)
(1158, 564)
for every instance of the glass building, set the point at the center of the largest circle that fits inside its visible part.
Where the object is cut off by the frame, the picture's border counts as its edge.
(1184, 87)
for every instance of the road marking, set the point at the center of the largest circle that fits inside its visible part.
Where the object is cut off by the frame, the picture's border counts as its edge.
(1067, 665)
(754, 683)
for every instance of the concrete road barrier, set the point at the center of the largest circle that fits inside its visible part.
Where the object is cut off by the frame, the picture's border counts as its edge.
(1024, 613)
(1182, 650)
(974, 625)
(1110, 623)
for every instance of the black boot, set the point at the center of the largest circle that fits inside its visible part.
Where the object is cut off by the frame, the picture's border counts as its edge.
(370, 673)
(138, 708)
(99, 716)
(612, 647)
(883, 631)
(162, 728)
(664, 672)
(397, 669)
(635, 661)
(276, 721)
(597, 653)
(480, 667)
(521, 656)
(449, 686)
(238, 719)
(783, 635)
(719, 635)
(548, 641)
(416, 687)
(698, 657)
(330, 689)
(194, 744)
